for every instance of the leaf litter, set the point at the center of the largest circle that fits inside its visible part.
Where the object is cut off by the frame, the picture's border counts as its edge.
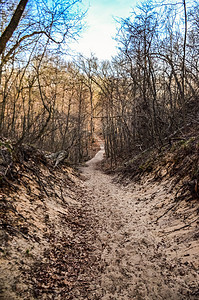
(65, 236)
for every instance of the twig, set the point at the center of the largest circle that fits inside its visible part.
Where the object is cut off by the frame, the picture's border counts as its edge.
(9, 183)
(14, 210)
(61, 190)
(38, 177)
(170, 208)
(8, 167)
(185, 226)
(16, 230)
(175, 205)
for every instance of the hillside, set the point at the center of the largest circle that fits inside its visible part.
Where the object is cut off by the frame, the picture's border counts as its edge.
(99, 150)
(46, 229)
(68, 234)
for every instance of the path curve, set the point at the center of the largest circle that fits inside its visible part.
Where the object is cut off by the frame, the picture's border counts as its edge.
(138, 262)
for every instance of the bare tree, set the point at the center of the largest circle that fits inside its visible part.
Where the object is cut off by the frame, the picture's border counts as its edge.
(14, 22)
(154, 79)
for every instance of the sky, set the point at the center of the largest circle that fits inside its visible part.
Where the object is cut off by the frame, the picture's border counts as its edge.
(97, 38)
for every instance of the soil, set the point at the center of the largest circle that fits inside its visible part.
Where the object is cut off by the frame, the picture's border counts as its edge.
(148, 251)
(46, 235)
(64, 237)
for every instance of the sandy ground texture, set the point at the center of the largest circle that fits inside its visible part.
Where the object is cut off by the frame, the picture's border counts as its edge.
(46, 237)
(148, 243)
(92, 238)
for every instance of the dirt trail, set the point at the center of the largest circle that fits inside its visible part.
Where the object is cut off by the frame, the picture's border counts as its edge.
(140, 260)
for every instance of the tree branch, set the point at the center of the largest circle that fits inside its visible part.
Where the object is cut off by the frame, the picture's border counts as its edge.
(8, 32)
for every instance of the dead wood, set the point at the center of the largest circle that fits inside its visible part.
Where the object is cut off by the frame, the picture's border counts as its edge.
(183, 227)
(57, 157)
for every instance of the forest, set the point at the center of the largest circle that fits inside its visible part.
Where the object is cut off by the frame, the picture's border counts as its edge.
(99, 159)
(141, 97)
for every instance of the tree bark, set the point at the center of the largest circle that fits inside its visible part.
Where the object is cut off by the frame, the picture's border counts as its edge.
(8, 32)
(183, 62)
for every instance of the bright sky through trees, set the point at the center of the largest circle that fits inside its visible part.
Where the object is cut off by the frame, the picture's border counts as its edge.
(101, 27)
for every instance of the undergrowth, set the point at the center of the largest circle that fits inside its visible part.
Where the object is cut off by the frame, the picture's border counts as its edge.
(177, 161)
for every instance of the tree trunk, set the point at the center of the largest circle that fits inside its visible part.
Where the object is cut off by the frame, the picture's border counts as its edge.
(8, 32)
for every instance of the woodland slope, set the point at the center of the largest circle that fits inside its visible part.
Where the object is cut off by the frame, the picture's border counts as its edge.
(91, 235)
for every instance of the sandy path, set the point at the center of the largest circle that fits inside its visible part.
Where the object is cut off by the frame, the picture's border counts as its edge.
(138, 260)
